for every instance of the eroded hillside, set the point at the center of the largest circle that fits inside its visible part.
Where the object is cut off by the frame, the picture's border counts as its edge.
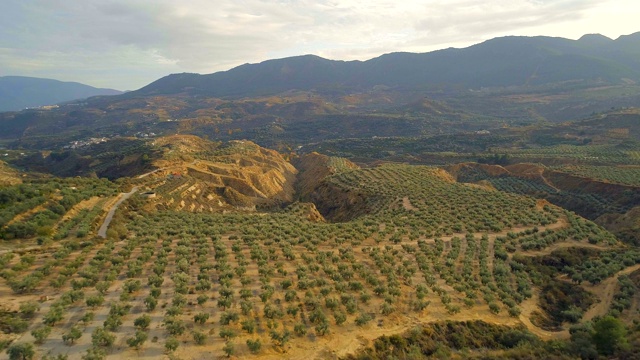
(198, 175)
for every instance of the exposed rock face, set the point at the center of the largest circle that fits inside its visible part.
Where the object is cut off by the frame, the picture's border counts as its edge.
(211, 177)
(315, 167)
(333, 202)
(339, 204)
(625, 194)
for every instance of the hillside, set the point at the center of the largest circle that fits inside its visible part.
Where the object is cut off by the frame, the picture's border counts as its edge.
(196, 175)
(220, 249)
(609, 195)
(413, 247)
(8, 176)
(19, 92)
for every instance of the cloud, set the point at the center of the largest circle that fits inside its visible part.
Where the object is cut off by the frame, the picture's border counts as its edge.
(129, 43)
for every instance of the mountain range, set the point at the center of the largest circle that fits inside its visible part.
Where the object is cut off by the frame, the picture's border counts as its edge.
(508, 81)
(499, 62)
(20, 92)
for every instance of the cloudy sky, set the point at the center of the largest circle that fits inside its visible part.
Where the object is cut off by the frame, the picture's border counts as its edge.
(126, 44)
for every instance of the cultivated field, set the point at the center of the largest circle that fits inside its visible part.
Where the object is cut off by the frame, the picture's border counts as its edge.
(407, 245)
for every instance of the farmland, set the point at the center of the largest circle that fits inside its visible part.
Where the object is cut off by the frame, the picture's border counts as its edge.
(626, 175)
(471, 203)
(388, 249)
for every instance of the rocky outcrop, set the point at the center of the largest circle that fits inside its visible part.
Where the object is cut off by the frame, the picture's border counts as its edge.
(333, 202)
(340, 204)
(306, 211)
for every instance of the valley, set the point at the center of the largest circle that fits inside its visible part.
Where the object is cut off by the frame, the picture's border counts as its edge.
(479, 203)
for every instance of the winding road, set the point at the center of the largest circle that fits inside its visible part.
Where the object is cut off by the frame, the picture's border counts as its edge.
(102, 232)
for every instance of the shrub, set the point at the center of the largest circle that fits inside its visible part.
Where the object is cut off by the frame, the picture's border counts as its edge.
(151, 303)
(300, 329)
(363, 319)
(228, 317)
(41, 334)
(22, 351)
(101, 337)
(95, 353)
(171, 344)
(143, 322)
(254, 345)
(227, 333)
(280, 338)
(199, 338)
(29, 308)
(201, 318)
(94, 301)
(249, 326)
(54, 315)
(174, 326)
(202, 299)
(138, 339)
(228, 348)
(73, 335)
(609, 335)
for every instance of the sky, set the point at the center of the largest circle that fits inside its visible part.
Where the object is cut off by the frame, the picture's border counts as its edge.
(126, 44)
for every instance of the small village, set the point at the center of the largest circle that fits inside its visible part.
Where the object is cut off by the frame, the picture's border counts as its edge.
(77, 144)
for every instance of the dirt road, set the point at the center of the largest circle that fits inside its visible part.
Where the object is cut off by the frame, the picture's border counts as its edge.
(102, 232)
(605, 290)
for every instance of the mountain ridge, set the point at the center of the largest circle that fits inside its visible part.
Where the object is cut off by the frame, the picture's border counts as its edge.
(19, 92)
(503, 61)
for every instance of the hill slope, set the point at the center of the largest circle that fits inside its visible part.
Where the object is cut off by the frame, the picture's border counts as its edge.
(8, 176)
(19, 92)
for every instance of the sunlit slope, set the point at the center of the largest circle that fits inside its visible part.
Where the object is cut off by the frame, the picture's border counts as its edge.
(198, 175)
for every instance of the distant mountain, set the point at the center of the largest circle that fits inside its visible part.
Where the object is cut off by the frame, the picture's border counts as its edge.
(302, 100)
(19, 92)
(506, 61)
